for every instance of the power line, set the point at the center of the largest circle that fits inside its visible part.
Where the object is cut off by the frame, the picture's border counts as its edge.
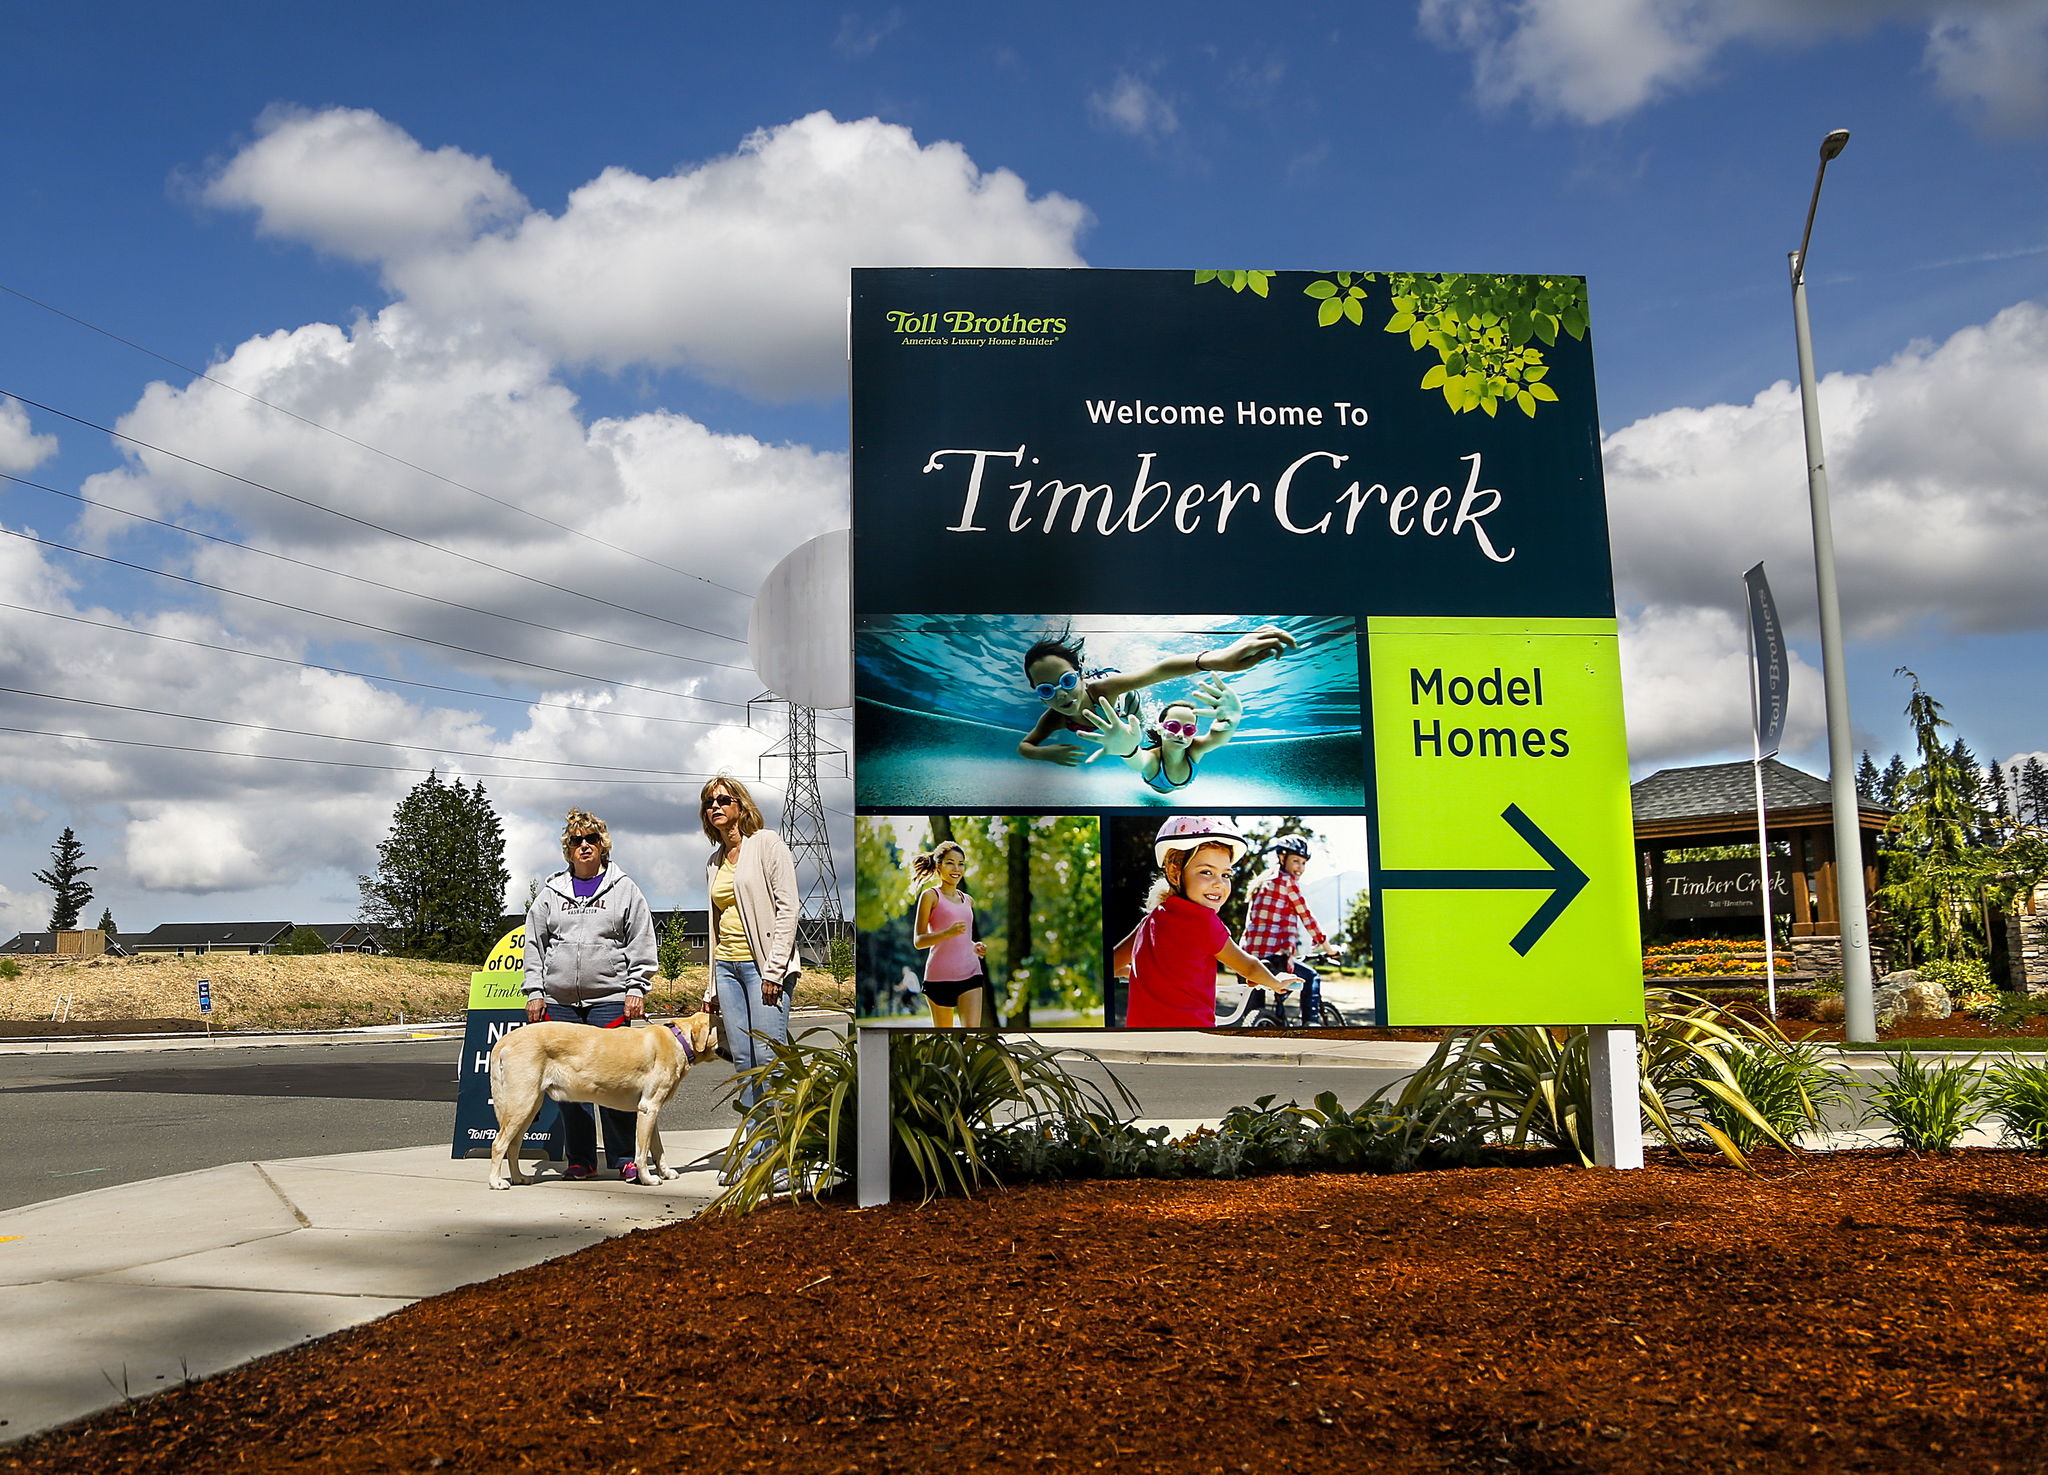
(50, 696)
(363, 444)
(496, 778)
(361, 624)
(177, 527)
(257, 655)
(359, 521)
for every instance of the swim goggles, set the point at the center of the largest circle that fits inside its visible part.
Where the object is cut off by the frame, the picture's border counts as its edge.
(1050, 690)
(1177, 729)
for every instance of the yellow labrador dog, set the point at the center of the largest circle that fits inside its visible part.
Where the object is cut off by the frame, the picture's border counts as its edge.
(634, 1070)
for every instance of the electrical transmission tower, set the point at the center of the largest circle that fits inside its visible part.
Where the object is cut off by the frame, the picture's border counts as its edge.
(803, 825)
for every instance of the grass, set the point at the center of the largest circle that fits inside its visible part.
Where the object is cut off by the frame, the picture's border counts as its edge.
(1940, 1043)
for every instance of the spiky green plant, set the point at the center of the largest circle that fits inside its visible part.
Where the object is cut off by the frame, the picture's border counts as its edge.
(948, 1090)
(2016, 1091)
(1788, 1083)
(1928, 1108)
(1535, 1083)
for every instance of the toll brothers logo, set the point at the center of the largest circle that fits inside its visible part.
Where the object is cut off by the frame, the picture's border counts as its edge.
(972, 330)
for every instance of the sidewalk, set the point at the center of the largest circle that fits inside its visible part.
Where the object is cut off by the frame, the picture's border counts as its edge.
(122, 1292)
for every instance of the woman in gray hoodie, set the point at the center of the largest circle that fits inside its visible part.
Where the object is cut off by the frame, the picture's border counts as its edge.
(590, 957)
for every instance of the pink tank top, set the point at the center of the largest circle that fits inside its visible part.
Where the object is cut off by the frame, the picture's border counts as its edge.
(952, 959)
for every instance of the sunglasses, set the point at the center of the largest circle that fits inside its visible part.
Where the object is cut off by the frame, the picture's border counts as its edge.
(719, 800)
(1048, 690)
(576, 840)
(1177, 729)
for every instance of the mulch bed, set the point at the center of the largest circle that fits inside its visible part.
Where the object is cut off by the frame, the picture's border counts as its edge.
(1863, 1311)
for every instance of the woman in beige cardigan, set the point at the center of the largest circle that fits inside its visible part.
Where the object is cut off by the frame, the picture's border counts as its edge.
(754, 907)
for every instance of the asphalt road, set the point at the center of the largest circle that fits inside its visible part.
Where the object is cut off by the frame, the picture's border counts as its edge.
(78, 1122)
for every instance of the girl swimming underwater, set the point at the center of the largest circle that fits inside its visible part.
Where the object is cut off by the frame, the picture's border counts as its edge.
(1057, 670)
(1164, 754)
(1170, 957)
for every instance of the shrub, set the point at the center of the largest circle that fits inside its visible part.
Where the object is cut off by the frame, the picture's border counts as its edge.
(9, 969)
(947, 1090)
(1787, 1083)
(2017, 1093)
(2014, 1012)
(1536, 1083)
(1928, 1108)
(1830, 1009)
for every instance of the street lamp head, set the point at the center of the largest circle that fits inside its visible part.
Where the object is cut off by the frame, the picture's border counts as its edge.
(1833, 144)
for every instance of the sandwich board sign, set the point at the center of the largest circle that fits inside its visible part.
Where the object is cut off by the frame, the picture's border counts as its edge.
(1146, 555)
(497, 1006)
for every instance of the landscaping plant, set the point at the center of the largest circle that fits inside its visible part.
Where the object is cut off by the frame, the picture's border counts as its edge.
(2016, 1092)
(1787, 1083)
(1928, 1108)
(949, 1090)
(1535, 1083)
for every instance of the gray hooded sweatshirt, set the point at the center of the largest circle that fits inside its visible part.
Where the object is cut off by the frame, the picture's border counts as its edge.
(598, 950)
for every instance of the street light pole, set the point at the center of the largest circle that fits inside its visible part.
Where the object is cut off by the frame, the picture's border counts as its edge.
(1860, 1017)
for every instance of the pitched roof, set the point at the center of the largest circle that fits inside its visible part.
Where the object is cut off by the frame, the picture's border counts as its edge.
(213, 934)
(31, 942)
(1726, 788)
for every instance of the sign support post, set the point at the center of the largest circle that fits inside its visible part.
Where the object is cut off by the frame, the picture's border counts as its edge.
(871, 1114)
(1616, 1071)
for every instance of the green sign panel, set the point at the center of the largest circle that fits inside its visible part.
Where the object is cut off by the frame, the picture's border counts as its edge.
(1506, 870)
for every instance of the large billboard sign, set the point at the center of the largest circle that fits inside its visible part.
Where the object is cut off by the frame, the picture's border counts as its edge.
(1291, 554)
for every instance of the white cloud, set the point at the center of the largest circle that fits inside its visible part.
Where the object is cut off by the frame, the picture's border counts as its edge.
(1685, 675)
(351, 182)
(21, 449)
(1134, 106)
(23, 912)
(1994, 62)
(1938, 473)
(1596, 60)
(734, 269)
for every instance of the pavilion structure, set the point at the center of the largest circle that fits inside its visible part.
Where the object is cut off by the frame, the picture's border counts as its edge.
(1715, 804)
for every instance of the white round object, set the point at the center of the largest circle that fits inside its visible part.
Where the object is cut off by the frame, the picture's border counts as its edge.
(801, 631)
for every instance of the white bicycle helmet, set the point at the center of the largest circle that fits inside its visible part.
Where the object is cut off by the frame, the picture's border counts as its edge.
(1186, 831)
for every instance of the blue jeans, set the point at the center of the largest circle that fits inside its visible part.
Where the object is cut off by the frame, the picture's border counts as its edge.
(1310, 994)
(748, 1024)
(579, 1133)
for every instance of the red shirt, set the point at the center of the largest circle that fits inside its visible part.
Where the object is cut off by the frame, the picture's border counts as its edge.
(1173, 966)
(1274, 921)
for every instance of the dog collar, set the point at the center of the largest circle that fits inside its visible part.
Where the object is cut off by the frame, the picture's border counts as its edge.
(689, 1055)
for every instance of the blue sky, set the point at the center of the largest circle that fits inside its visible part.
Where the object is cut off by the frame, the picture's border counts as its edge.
(580, 258)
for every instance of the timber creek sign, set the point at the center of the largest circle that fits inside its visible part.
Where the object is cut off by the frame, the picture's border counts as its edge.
(1719, 888)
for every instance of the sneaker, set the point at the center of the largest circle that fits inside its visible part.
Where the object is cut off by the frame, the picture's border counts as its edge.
(629, 1172)
(577, 1172)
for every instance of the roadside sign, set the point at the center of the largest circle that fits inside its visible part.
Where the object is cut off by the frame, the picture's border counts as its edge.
(205, 996)
(1305, 553)
(497, 1006)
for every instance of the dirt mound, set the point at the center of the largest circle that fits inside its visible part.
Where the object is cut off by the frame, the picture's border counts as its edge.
(317, 991)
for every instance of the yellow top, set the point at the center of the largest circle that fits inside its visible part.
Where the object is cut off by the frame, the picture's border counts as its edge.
(731, 945)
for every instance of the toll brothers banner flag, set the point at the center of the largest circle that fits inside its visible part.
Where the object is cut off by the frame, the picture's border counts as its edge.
(1230, 636)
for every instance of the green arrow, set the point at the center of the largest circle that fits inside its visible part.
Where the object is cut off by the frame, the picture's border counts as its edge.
(1562, 879)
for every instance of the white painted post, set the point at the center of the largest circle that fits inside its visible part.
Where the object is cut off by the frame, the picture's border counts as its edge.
(1617, 1097)
(871, 1114)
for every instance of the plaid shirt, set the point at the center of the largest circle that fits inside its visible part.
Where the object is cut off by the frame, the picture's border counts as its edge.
(1271, 926)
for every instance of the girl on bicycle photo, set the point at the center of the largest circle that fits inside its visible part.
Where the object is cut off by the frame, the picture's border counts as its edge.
(1171, 956)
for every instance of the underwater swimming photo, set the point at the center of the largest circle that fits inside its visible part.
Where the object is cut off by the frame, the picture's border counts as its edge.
(1052, 713)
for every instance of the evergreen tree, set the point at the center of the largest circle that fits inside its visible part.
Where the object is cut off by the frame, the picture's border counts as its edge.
(107, 922)
(2033, 797)
(65, 878)
(1867, 779)
(1938, 867)
(1893, 784)
(2001, 798)
(440, 884)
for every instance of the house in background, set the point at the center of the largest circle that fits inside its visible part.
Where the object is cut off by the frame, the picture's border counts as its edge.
(212, 937)
(89, 944)
(349, 937)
